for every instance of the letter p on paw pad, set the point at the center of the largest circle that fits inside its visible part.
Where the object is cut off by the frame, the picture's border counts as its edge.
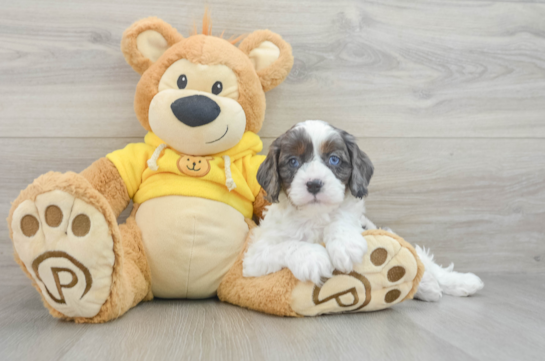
(66, 246)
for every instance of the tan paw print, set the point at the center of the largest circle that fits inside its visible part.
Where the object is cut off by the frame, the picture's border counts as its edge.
(67, 247)
(383, 278)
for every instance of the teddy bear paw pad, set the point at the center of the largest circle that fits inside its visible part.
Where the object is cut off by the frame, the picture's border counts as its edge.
(67, 247)
(383, 278)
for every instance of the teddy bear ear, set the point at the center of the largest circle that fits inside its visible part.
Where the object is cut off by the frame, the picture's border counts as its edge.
(270, 55)
(146, 40)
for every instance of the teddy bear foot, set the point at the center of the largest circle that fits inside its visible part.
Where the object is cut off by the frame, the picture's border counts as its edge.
(389, 274)
(66, 246)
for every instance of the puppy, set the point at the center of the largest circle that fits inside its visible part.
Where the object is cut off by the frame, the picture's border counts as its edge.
(315, 176)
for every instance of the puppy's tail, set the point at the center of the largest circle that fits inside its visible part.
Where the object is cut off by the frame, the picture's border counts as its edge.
(450, 282)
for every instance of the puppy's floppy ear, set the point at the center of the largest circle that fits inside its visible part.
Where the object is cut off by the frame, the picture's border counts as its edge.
(146, 40)
(270, 55)
(268, 176)
(362, 168)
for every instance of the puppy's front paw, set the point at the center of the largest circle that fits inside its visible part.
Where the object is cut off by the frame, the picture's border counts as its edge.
(251, 267)
(346, 249)
(310, 263)
(255, 265)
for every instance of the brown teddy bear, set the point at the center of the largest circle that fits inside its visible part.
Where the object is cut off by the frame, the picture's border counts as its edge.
(194, 188)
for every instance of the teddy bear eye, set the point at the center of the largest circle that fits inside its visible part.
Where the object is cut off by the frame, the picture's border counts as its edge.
(182, 81)
(217, 88)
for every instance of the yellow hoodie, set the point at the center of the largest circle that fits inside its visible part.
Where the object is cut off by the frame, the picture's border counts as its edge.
(228, 177)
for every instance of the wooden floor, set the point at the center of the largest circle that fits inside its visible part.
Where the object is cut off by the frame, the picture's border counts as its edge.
(446, 96)
(504, 322)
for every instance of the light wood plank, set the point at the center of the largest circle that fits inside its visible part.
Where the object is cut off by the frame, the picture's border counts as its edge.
(490, 326)
(505, 307)
(376, 69)
(477, 202)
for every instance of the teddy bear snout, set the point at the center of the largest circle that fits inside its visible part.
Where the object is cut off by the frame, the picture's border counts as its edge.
(195, 110)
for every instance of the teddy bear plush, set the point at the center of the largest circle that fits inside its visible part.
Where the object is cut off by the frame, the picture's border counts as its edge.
(194, 189)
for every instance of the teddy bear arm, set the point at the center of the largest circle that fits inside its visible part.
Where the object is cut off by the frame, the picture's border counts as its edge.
(259, 205)
(105, 178)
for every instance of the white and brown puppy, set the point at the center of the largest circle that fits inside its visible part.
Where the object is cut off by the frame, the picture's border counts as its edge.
(316, 177)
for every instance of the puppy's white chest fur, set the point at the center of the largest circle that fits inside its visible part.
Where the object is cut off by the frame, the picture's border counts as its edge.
(302, 223)
(308, 223)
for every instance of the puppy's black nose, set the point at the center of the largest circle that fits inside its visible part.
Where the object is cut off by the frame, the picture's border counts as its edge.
(195, 110)
(314, 186)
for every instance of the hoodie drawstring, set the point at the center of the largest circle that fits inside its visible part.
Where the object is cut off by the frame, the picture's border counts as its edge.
(229, 182)
(152, 162)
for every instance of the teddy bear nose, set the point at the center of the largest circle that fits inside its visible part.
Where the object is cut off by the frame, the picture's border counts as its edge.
(195, 110)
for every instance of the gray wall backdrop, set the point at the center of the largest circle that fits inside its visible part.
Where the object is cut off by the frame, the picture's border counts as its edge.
(447, 98)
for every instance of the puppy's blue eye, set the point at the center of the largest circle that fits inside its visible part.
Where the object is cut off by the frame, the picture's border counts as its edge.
(293, 162)
(334, 160)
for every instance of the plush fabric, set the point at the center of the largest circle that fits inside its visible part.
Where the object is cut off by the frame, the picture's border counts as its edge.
(202, 49)
(186, 234)
(172, 177)
(269, 294)
(205, 49)
(272, 75)
(264, 55)
(191, 243)
(134, 56)
(54, 254)
(369, 287)
(130, 273)
(260, 204)
(150, 46)
(105, 178)
(200, 77)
